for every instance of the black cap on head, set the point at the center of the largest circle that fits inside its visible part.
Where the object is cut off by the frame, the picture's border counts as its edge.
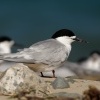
(63, 32)
(5, 38)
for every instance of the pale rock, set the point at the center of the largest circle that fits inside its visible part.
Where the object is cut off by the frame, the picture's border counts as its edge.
(21, 78)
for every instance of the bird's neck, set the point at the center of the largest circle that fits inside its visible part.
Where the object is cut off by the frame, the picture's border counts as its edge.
(66, 43)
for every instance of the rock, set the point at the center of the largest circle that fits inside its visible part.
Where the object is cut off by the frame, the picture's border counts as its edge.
(60, 83)
(21, 78)
(71, 80)
(74, 96)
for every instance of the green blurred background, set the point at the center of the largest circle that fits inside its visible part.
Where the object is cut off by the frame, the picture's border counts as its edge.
(29, 21)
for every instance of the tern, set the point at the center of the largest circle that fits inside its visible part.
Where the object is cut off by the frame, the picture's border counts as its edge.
(46, 55)
(6, 44)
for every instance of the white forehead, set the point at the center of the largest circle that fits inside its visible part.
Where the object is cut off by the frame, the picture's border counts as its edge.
(68, 37)
(72, 37)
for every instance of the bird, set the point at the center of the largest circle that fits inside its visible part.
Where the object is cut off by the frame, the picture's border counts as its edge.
(6, 44)
(46, 55)
(92, 62)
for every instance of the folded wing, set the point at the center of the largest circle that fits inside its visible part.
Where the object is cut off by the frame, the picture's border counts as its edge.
(48, 51)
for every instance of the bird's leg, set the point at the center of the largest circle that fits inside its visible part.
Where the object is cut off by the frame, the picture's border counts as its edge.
(53, 73)
(42, 74)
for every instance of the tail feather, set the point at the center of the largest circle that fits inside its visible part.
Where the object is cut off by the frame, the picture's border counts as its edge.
(15, 57)
(8, 57)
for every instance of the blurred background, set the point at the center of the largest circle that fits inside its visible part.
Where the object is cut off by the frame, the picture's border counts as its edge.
(29, 21)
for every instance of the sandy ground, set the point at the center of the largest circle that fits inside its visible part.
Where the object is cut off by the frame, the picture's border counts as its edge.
(77, 87)
(7, 98)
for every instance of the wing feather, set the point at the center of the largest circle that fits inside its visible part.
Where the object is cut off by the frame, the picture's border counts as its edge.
(48, 51)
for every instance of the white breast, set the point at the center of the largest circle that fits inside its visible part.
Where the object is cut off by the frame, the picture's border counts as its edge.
(66, 41)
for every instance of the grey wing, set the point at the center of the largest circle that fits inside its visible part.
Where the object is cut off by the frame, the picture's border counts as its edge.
(48, 51)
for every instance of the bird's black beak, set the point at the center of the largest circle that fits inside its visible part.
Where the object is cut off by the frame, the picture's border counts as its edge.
(18, 45)
(80, 40)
